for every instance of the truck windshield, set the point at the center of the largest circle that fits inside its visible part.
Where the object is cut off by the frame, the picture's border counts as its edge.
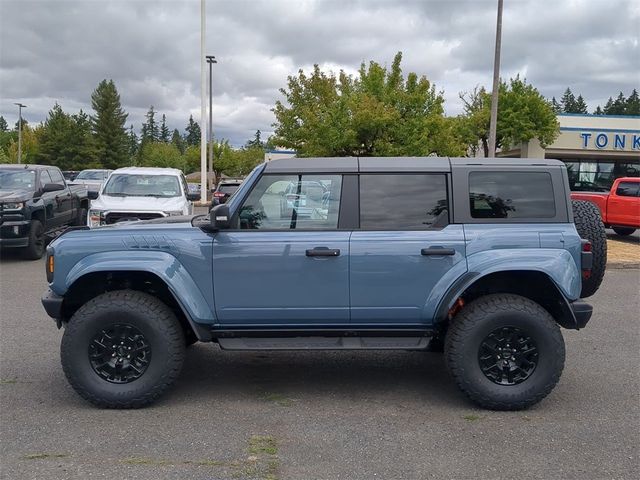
(91, 175)
(17, 179)
(129, 185)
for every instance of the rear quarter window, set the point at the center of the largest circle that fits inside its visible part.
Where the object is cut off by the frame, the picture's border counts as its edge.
(628, 189)
(511, 195)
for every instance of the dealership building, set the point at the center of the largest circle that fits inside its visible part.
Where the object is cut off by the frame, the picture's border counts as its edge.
(596, 148)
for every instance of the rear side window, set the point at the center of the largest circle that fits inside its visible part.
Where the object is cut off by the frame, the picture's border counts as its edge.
(628, 189)
(511, 195)
(402, 202)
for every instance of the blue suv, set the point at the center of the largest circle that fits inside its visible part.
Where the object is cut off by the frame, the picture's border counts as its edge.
(480, 259)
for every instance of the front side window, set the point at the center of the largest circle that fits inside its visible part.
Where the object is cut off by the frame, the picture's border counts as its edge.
(129, 185)
(511, 195)
(402, 202)
(292, 202)
(628, 189)
(56, 177)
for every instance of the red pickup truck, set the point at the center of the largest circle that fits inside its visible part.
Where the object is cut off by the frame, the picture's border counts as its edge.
(620, 208)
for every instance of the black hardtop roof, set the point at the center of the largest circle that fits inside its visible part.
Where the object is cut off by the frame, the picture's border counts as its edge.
(24, 166)
(393, 164)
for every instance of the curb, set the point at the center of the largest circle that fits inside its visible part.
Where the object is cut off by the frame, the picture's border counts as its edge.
(623, 265)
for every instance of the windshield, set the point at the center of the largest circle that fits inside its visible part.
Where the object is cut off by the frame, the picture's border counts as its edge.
(91, 175)
(17, 179)
(130, 185)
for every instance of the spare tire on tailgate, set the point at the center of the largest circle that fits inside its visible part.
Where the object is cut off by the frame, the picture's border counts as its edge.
(590, 227)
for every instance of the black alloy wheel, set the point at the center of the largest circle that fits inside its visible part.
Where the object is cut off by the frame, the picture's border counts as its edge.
(119, 353)
(508, 356)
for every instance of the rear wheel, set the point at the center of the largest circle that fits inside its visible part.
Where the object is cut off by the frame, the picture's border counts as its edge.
(624, 231)
(588, 220)
(35, 249)
(505, 352)
(122, 349)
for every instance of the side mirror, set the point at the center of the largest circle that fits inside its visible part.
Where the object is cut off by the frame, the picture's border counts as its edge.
(193, 197)
(219, 217)
(93, 194)
(52, 187)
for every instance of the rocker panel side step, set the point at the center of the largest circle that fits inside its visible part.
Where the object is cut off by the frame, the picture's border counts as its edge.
(324, 343)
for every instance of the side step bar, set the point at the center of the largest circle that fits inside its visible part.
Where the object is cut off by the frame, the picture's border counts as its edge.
(323, 339)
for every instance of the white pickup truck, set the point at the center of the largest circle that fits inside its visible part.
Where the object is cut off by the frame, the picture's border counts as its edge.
(140, 193)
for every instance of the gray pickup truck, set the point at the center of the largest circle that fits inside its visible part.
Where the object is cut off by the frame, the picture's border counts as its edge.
(35, 203)
(481, 258)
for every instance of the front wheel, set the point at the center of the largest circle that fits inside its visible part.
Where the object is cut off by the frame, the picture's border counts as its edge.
(35, 249)
(505, 352)
(624, 231)
(122, 349)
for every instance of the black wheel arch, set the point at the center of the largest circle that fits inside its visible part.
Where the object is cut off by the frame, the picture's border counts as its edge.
(93, 284)
(534, 285)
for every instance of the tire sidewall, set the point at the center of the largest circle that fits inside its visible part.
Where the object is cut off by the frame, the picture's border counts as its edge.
(32, 251)
(77, 366)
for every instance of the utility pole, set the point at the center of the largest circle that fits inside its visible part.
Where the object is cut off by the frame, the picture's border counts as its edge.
(20, 107)
(203, 108)
(211, 59)
(496, 84)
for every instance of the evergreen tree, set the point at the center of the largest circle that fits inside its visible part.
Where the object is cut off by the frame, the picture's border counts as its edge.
(150, 127)
(568, 102)
(108, 125)
(620, 105)
(557, 108)
(598, 111)
(256, 142)
(581, 106)
(164, 130)
(632, 106)
(178, 141)
(24, 124)
(608, 107)
(3, 124)
(65, 140)
(193, 132)
(133, 143)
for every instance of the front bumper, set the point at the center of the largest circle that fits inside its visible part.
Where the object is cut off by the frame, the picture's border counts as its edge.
(582, 313)
(14, 234)
(52, 304)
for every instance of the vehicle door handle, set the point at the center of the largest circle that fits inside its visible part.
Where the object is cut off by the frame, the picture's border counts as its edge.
(437, 251)
(323, 252)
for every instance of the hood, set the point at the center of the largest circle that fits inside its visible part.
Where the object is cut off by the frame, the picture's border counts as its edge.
(138, 204)
(97, 183)
(15, 195)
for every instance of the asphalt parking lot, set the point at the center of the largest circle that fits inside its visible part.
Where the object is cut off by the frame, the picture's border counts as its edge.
(350, 415)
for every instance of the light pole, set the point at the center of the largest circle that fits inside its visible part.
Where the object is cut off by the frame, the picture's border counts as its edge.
(203, 108)
(20, 107)
(211, 59)
(496, 84)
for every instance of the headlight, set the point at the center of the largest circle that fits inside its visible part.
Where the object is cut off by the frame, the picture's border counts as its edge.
(173, 213)
(13, 206)
(96, 218)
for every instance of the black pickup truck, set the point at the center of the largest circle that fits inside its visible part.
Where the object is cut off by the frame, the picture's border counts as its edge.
(35, 203)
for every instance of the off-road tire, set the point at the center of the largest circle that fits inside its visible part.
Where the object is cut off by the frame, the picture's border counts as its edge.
(147, 314)
(623, 231)
(588, 220)
(475, 322)
(81, 217)
(37, 242)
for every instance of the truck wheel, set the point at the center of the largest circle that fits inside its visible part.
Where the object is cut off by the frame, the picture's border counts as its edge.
(505, 352)
(624, 231)
(35, 249)
(590, 227)
(122, 349)
(81, 217)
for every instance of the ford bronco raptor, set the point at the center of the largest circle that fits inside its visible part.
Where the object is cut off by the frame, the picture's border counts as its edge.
(479, 258)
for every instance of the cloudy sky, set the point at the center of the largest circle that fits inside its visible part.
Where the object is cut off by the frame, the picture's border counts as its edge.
(59, 50)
